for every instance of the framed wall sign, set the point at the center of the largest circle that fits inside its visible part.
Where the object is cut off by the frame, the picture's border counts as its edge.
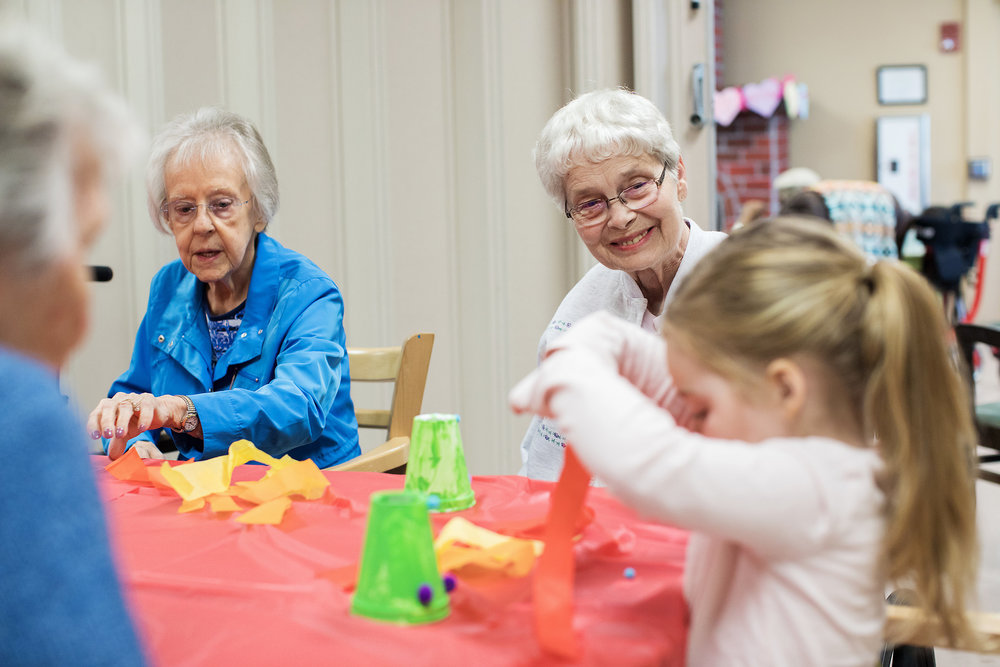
(902, 84)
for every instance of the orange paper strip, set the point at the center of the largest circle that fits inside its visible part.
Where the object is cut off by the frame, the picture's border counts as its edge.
(158, 480)
(553, 582)
(129, 467)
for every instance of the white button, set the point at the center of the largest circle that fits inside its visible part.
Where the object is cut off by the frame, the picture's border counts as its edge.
(243, 335)
(160, 338)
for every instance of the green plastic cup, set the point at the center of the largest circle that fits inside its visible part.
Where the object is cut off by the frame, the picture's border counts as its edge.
(398, 579)
(437, 463)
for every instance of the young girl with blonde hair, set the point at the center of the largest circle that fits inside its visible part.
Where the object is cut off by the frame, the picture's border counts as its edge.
(829, 450)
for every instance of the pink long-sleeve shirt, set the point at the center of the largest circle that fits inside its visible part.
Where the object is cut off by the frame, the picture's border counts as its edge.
(782, 565)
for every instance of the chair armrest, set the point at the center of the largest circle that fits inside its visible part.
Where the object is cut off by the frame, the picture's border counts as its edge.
(387, 457)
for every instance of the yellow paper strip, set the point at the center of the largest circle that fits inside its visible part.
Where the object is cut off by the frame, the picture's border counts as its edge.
(220, 502)
(464, 531)
(191, 505)
(301, 478)
(203, 478)
(465, 548)
(271, 512)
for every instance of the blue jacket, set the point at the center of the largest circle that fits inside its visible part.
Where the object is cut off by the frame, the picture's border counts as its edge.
(291, 393)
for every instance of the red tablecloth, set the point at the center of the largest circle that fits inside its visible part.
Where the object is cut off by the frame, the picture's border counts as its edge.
(207, 590)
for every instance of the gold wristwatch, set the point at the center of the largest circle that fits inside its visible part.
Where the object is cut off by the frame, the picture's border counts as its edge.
(190, 421)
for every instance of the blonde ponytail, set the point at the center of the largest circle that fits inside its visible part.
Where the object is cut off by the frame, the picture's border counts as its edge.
(918, 407)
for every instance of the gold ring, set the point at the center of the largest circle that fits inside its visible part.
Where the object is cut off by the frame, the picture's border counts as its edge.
(132, 402)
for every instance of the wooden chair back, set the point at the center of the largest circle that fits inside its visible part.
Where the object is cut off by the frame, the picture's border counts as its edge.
(921, 631)
(405, 366)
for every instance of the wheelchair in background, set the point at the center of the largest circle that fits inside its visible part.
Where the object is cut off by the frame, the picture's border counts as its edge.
(955, 255)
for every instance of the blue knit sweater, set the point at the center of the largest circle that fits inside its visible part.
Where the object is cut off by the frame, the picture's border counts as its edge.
(60, 601)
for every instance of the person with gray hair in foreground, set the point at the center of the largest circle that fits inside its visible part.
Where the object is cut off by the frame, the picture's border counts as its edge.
(610, 162)
(243, 339)
(62, 133)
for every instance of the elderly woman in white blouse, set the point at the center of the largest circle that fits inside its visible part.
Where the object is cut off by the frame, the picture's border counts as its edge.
(610, 162)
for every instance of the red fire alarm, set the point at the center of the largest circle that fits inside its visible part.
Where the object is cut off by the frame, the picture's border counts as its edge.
(950, 37)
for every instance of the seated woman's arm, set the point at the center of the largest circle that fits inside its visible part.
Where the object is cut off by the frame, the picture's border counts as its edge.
(287, 380)
(281, 400)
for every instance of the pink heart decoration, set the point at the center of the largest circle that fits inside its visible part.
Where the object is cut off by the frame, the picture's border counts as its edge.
(763, 98)
(727, 105)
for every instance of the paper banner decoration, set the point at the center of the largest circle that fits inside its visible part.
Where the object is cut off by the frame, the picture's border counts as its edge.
(763, 98)
(554, 576)
(727, 105)
(790, 91)
(803, 93)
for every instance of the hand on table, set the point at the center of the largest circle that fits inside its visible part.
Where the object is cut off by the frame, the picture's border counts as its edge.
(124, 416)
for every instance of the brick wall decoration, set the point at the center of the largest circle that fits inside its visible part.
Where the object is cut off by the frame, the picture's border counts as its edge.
(749, 154)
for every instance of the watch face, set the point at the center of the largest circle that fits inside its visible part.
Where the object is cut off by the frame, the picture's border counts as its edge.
(190, 423)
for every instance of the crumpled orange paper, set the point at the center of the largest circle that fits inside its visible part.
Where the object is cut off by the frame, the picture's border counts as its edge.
(209, 481)
(131, 468)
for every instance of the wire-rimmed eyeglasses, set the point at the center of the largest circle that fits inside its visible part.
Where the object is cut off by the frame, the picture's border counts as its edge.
(184, 212)
(636, 196)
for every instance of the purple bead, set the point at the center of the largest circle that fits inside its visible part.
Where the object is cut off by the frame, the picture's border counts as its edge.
(425, 593)
(449, 582)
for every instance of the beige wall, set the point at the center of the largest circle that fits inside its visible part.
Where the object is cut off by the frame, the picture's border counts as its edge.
(835, 48)
(402, 132)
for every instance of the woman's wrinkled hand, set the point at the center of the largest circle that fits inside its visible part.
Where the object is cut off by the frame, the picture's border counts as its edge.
(124, 416)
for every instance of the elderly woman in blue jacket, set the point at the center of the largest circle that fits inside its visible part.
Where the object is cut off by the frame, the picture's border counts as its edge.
(242, 338)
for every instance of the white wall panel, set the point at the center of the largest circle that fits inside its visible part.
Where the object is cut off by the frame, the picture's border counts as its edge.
(663, 73)
(363, 167)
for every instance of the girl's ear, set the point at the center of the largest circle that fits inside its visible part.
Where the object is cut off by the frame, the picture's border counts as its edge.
(788, 382)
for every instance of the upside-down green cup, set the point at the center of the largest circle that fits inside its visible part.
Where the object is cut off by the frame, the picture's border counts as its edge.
(437, 463)
(397, 560)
